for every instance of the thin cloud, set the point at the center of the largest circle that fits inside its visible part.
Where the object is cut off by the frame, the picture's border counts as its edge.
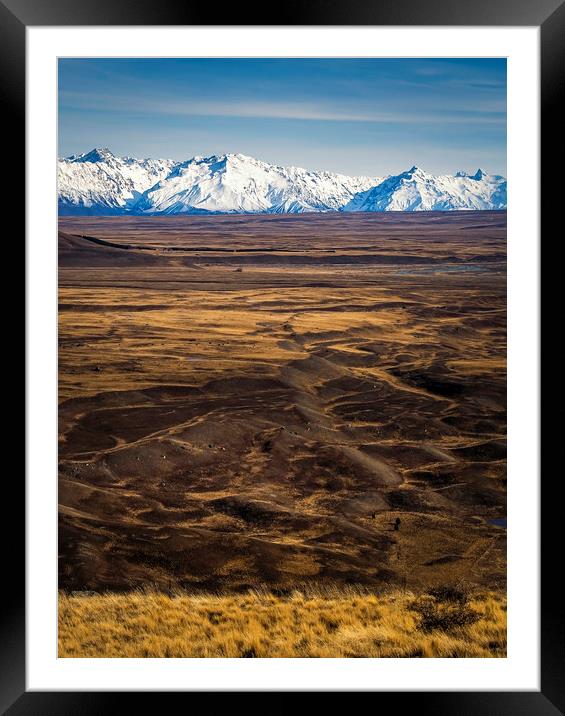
(269, 110)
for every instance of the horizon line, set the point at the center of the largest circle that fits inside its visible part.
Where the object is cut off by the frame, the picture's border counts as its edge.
(205, 157)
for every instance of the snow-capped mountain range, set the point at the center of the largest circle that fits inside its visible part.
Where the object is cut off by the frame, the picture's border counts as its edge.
(100, 183)
(416, 190)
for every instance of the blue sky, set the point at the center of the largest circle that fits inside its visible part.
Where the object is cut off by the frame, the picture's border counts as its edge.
(356, 116)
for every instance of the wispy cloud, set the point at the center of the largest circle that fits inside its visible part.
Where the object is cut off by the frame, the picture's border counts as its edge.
(269, 110)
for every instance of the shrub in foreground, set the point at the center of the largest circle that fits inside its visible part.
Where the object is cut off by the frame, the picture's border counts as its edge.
(260, 624)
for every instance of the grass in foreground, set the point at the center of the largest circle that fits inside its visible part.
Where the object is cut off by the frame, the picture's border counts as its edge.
(341, 623)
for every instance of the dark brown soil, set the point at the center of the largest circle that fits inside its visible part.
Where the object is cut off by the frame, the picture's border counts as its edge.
(221, 428)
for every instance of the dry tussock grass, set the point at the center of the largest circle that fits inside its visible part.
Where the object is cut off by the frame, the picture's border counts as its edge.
(306, 623)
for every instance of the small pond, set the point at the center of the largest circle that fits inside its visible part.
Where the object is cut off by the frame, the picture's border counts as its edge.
(498, 521)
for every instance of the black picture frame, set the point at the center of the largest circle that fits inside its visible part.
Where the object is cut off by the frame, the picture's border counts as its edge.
(549, 16)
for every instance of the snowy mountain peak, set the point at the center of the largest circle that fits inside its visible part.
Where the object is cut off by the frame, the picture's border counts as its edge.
(414, 172)
(98, 182)
(422, 173)
(237, 183)
(416, 190)
(98, 154)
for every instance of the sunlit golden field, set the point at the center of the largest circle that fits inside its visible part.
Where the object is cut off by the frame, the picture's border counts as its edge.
(338, 623)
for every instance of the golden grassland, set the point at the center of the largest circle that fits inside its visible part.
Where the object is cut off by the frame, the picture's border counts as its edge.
(344, 622)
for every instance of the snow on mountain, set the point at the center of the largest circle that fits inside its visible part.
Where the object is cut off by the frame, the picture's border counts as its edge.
(416, 190)
(98, 182)
(235, 183)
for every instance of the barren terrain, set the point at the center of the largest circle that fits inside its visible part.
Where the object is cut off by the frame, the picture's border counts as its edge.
(255, 400)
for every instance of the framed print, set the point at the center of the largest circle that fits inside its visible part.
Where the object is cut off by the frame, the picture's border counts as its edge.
(283, 397)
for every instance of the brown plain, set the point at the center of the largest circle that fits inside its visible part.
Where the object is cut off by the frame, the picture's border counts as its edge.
(251, 401)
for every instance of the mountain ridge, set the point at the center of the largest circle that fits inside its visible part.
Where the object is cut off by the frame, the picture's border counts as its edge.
(100, 183)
